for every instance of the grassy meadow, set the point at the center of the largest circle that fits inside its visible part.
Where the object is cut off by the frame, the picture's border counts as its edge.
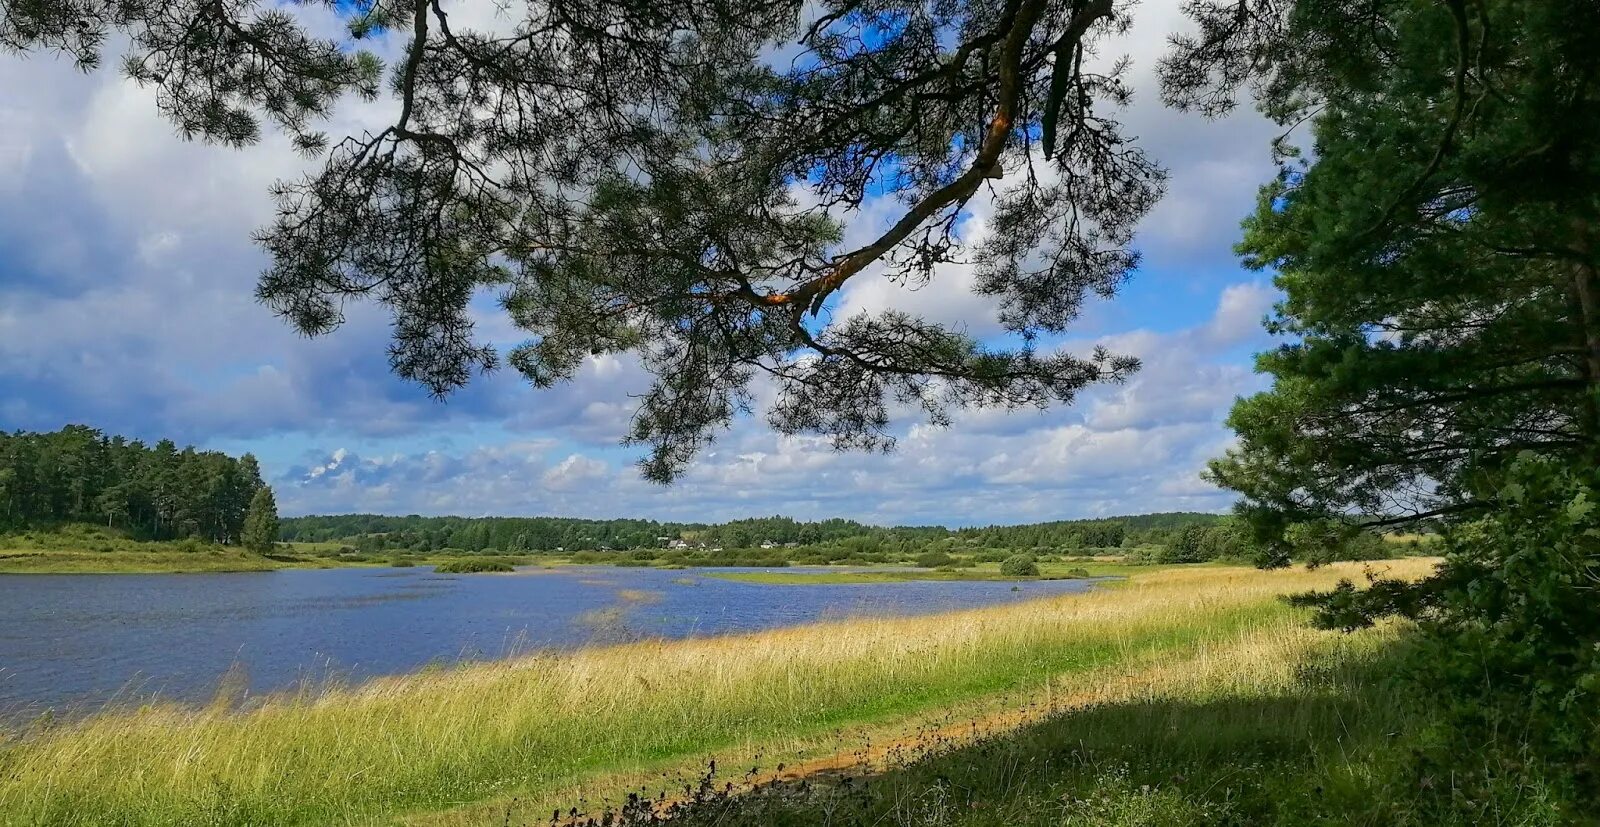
(145, 561)
(83, 549)
(1202, 665)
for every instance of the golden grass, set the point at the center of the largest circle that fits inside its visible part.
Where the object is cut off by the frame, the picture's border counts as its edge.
(540, 727)
(70, 561)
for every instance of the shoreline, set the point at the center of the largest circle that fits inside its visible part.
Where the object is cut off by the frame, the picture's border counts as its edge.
(22, 562)
(484, 737)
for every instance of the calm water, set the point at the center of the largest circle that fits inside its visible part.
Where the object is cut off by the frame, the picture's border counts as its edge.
(79, 641)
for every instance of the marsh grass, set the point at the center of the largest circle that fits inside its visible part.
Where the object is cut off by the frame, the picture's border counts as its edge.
(77, 548)
(475, 565)
(154, 561)
(466, 743)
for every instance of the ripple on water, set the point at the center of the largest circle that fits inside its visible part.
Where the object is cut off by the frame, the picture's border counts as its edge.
(85, 640)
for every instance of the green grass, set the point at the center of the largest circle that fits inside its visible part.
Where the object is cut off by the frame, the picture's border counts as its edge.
(490, 742)
(83, 549)
(62, 561)
(88, 549)
(1330, 740)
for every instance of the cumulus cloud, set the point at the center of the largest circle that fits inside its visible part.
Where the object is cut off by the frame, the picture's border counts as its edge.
(1123, 449)
(125, 302)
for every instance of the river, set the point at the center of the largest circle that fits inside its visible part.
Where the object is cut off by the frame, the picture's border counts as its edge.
(71, 643)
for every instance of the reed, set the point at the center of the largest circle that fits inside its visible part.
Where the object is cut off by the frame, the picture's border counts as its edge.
(540, 727)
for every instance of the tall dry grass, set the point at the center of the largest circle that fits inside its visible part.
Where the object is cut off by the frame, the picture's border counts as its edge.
(535, 726)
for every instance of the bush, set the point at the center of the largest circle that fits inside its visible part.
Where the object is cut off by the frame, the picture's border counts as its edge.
(401, 563)
(1081, 574)
(1204, 542)
(473, 566)
(1019, 565)
(934, 559)
(1508, 639)
(1187, 546)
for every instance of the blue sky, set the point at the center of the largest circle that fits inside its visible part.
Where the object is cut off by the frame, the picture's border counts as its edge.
(125, 304)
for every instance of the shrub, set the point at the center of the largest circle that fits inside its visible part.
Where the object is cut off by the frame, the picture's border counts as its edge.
(1187, 546)
(1508, 643)
(1019, 565)
(934, 559)
(1079, 573)
(473, 566)
(401, 563)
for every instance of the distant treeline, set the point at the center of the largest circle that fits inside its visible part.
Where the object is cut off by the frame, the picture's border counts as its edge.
(374, 532)
(78, 474)
(1109, 532)
(512, 534)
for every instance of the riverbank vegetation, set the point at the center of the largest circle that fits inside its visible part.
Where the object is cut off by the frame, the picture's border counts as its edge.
(1237, 691)
(79, 548)
(376, 532)
(158, 492)
(89, 549)
(476, 565)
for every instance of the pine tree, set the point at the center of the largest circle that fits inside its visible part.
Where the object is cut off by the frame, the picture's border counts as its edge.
(636, 176)
(1438, 245)
(261, 522)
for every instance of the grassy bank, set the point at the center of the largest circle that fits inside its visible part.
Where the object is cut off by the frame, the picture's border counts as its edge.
(471, 743)
(67, 561)
(1272, 727)
(87, 549)
(84, 549)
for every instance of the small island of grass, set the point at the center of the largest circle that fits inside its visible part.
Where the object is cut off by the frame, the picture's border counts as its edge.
(478, 565)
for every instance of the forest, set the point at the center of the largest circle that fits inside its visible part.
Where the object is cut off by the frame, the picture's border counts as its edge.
(161, 492)
(82, 475)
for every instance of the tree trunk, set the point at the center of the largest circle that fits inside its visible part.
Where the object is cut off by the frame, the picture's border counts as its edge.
(1587, 292)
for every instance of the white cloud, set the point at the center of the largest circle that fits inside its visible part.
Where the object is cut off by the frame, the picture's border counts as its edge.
(574, 472)
(126, 303)
(1124, 449)
(1239, 314)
